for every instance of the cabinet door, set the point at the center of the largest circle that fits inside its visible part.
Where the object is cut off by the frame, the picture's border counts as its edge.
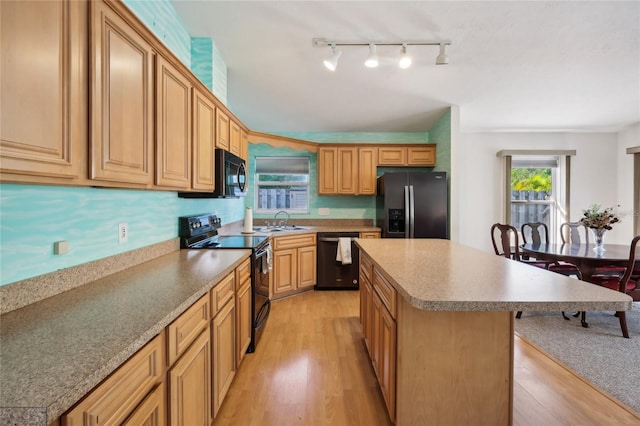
(392, 156)
(204, 142)
(375, 347)
(173, 126)
(285, 270)
(243, 321)
(347, 170)
(122, 108)
(152, 411)
(307, 261)
(366, 310)
(327, 171)
(421, 156)
(222, 124)
(190, 385)
(120, 394)
(43, 88)
(387, 360)
(244, 145)
(224, 353)
(367, 164)
(234, 138)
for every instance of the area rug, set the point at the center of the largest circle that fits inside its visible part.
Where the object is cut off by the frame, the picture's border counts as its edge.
(599, 353)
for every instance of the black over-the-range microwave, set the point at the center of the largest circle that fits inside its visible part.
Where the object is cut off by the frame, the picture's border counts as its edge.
(230, 178)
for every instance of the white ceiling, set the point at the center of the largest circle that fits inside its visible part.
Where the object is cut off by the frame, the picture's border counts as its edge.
(513, 66)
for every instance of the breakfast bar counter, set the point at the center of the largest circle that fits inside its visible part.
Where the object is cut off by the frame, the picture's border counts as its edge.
(443, 347)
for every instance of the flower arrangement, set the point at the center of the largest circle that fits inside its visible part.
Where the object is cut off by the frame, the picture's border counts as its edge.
(597, 218)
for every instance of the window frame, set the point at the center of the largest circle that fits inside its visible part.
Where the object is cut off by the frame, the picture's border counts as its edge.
(275, 184)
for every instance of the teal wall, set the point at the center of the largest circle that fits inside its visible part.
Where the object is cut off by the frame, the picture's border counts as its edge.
(162, 19)
(353, 137)
(33, 217)
(202, 60)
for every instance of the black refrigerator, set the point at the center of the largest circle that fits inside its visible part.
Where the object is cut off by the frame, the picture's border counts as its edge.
(413, 205)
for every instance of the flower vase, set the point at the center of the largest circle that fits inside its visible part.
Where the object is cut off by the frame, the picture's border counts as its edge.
(598, 236)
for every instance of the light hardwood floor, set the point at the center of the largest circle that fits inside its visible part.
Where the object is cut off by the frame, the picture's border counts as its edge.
(311, 368)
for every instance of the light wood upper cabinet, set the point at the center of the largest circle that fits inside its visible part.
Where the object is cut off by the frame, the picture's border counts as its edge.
(43, 88)
(367, 165)
(244, 145)
(234, 138)
(423, 155)
(223, 127)
(121, 139)
(347, 170)
(327, 171)
(204, 142)
(173, 126)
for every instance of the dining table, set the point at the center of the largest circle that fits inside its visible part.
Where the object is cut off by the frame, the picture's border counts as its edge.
(582, 255)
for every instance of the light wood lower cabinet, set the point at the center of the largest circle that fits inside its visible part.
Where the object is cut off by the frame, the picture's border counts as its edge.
(223, 330)
(294, 264)
(189, 382)
(244, 313)
(370, 235)
(121, 394)
(377, 316)
(152, 411)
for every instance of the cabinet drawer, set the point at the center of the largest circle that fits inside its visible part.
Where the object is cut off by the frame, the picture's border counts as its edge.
(385, 290)
(184, 330)
(222, 293)
(243, 273)
(282, 243)
(369, 235)
(366, 267)
(117, 397)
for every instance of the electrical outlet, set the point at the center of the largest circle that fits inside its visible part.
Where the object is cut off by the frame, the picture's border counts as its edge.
(123, 233)
(61, 247)
(323, 211)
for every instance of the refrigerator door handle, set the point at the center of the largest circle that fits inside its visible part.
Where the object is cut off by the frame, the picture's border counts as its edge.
(412, 214)
(406, 212)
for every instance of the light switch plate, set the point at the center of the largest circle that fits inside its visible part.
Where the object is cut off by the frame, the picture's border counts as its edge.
(323, 211)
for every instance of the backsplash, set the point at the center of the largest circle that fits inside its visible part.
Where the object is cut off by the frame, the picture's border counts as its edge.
(34, 217)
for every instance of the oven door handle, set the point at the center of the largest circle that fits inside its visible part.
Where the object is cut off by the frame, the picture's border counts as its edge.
(261, 318)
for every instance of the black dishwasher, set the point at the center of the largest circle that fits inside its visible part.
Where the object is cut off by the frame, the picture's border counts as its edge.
(334, 274)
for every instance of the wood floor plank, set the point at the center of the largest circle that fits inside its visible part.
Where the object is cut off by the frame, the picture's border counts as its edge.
(311, 368)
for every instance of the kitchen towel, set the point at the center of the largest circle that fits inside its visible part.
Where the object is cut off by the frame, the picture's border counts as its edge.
(344, 250)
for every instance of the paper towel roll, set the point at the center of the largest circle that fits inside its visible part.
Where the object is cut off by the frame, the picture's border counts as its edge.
(248, 220)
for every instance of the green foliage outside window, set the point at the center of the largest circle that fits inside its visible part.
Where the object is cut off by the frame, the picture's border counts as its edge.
(534, 179)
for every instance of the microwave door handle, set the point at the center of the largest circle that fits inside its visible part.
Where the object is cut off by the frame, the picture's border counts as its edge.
(242, 172)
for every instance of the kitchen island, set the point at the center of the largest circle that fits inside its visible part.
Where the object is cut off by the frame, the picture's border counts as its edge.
(438, 323)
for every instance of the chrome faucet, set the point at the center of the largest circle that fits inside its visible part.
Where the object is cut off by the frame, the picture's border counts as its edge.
(282, 222)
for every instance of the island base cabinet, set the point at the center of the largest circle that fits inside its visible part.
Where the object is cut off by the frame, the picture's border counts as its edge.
(151, 411)
(445, 360)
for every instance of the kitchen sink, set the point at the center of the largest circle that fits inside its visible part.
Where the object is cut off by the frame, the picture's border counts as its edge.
(279, 228)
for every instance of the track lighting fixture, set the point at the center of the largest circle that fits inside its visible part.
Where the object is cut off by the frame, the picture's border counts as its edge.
(442, 58)
(372, 60)
(332, 62)
(405, 60)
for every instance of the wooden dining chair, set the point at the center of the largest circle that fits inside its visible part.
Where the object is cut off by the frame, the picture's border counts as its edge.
(624, 284)
(504, 238)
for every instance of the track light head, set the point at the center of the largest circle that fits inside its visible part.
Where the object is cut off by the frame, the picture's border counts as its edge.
(405, 60)
(372, 60)
(332, 62)
(442, 58)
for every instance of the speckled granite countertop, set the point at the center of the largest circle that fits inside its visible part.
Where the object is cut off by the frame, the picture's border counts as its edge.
(55, 351)
(236, 229)
(440, 275)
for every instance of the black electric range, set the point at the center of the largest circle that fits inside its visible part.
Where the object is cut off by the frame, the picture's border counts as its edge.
(201, 232)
